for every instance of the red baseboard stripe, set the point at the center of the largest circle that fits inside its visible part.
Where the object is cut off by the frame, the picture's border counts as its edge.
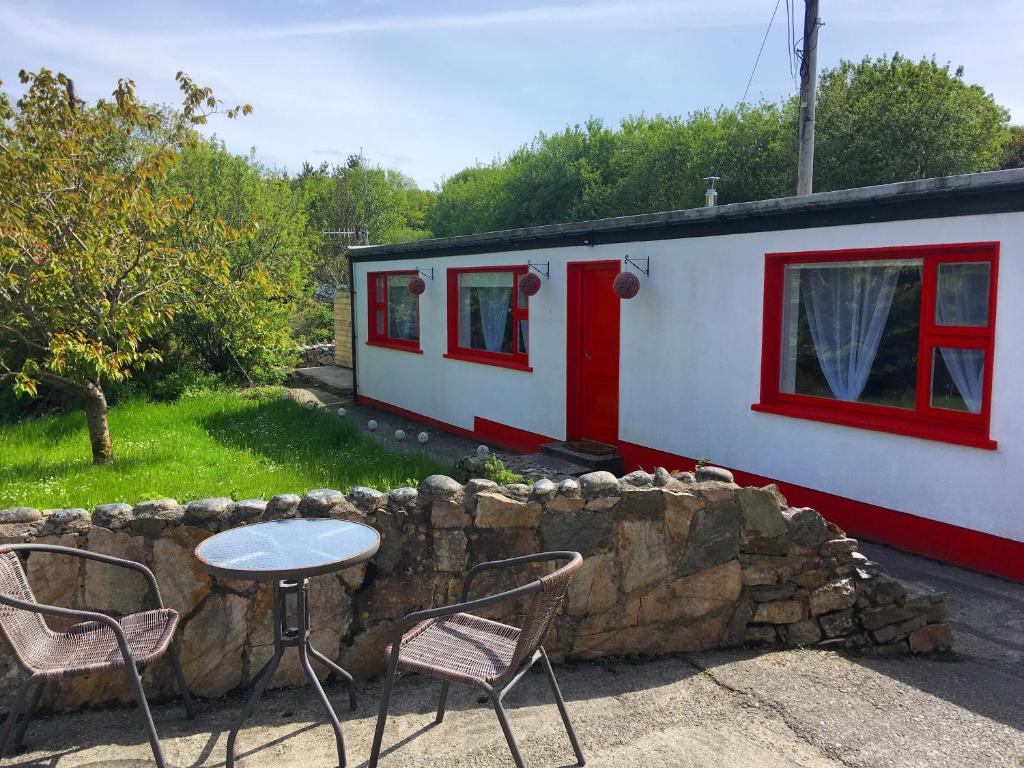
(942, 541)
(484, 430)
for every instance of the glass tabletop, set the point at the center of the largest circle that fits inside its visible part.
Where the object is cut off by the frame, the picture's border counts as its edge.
(287, 549)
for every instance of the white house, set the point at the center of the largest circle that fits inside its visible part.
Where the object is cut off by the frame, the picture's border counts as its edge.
(860, 348)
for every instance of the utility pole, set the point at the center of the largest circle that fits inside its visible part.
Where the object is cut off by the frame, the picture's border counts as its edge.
(808, 82)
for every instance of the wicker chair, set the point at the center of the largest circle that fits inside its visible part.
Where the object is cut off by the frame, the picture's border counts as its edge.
(98, 643)
(454, 646)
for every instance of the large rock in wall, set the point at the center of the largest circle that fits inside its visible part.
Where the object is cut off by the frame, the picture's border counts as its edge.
(672, 563)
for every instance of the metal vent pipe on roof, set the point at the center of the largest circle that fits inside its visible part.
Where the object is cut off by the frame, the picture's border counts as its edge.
(711, 194)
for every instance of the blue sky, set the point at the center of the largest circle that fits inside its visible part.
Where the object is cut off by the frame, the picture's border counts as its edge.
(431, 87)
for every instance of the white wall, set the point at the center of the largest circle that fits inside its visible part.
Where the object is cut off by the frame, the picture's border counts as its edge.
(690, 370)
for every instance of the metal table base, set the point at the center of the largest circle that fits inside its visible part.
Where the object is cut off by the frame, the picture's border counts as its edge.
(287, 635)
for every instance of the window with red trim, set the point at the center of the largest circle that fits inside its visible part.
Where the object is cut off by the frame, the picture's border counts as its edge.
(488, 317)
(393, 311)
(892, 339)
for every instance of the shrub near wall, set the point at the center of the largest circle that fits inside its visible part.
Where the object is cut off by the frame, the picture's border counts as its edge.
(672, 563)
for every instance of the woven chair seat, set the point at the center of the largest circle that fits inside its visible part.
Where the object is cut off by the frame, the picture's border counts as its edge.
(462, 648)
(92, 647)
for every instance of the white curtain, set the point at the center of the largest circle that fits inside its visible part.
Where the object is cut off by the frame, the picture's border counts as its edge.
(402, 309)
(847, 309)
(967, 369)
(962, 299)
(493, 291)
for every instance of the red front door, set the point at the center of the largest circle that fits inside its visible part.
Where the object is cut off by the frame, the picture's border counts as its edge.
(592, 406)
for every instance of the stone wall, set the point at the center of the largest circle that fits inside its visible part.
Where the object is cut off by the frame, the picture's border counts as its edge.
(313, 355)
(672, 563)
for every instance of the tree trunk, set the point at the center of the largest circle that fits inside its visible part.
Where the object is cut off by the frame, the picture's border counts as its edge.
(96, 417)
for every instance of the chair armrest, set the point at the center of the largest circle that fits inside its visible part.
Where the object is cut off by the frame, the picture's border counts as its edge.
(511, 562)
(100, 558)
(73, 613)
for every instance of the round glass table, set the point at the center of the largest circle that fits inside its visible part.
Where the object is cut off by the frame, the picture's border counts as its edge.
(287, 553)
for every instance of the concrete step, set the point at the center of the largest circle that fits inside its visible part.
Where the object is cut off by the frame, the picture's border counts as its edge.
(333, 378)
(611, 462)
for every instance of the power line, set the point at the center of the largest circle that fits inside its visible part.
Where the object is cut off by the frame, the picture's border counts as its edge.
(743, 99)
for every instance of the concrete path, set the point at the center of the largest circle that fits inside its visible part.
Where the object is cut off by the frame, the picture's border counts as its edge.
(330, 377)
(796, 708)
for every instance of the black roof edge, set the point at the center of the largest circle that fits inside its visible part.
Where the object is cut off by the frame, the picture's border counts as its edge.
(969, 194)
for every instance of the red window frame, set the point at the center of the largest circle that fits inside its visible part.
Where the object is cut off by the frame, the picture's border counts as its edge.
(924, 421)
(374, 303)
(517, 360)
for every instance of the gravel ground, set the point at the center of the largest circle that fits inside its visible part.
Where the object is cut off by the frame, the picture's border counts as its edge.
(800, 708)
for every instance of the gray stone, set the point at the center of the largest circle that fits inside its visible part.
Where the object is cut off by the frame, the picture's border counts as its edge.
(320, 502)
(760, 634)
(112, 516)
(519, 491)
(641, 548)
(661, 477)
(934, 637)
(367, 499)
(479, 485)
(773, 489)
(209, 509)
(448, 514)
(438, 487)
(718, 474)
(764, 593)
(151, 518)
(806, 526)
(20, 515)
(686, 478)
(601, 503)
(249, 509)
(638, 478)
(565, 504)
(598, 483)
(584, 532)
(450, 550)
(876, 618)
(68, 519)
(761, 512)
(403, 497)
(840, 547)
(898, 631)
(884, 590)
(837, 624)
(543, 488)
(495, 510)
(779, 612)
(833, 596)
(640, 502)
(714, 538)
(801, 633)
(569, 487)
(281, 506)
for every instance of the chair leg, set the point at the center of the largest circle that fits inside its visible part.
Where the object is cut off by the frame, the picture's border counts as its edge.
(499, 710)
(19, 736)
(442, 702)
(179, 674)
(15, 712)
(382, 717)
(566, 720)
(140, 696)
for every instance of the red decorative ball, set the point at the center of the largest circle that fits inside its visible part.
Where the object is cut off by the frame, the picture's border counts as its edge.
(626, 285)
(417, 286)
(529, 284)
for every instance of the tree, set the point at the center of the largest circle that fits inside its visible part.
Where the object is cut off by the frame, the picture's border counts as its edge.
(1013, 152)
(94, 259)
(246, 327)
(884, 120)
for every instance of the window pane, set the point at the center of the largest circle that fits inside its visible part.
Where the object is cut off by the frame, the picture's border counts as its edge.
(962, 297)
(380, 289)
(957, 379)
(379, 323)
(523, 299)
(403, 309)
(851, 331)
(485, 311)
(524, 336)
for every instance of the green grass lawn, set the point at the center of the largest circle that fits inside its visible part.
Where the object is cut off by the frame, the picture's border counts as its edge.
(238, 444)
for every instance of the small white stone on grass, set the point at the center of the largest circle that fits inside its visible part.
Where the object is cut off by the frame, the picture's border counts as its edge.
(311, 405)
(342, 412)
(371, 425)
(399, 434)
(423, 437)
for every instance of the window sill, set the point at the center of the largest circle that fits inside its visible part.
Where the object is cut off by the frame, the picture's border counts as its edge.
(911, 427)
(388, 344)
(490, 359)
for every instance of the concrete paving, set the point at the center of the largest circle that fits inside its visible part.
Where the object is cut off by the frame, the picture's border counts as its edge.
(796, 708)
